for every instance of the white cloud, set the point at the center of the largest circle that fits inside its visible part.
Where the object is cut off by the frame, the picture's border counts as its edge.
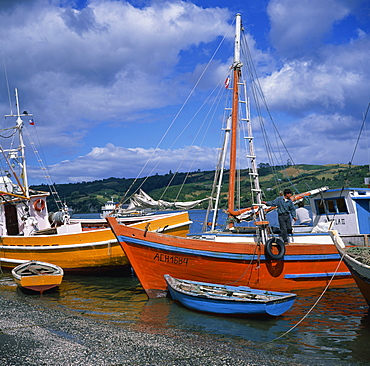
(321, 77)
(297, 27)
(315, 138)
(79, 68)
(300, 85)
(115, 161)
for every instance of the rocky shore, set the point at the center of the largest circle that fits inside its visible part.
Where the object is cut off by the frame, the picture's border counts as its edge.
(33, 334)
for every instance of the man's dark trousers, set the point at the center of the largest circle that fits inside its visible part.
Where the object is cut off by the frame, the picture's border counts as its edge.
(285, 224)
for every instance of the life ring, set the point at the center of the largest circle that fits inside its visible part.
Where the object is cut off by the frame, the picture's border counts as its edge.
(39, 205)
(280, 246)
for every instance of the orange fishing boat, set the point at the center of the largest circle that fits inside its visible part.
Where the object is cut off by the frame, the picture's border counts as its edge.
(239, 260)
(237, 256)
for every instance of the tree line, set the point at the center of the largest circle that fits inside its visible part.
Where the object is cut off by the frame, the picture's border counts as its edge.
(88, 197)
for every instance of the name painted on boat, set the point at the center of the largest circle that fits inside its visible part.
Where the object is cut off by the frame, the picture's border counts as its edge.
(173, 259)
(338, 221)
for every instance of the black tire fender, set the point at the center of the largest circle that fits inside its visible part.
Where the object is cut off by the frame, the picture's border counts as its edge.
(268, 249)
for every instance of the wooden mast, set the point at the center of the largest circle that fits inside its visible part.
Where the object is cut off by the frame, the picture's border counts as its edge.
(234, 116)
(237, 65)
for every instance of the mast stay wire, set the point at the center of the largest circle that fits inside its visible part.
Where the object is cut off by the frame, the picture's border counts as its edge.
(257, 90)
(352, 158)
(44, 168)
(125, 196)
(214, 104)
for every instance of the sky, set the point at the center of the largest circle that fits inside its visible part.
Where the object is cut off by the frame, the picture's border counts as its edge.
(106, 80)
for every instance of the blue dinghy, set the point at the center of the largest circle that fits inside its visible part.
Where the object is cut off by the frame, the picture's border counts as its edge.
(223, 299)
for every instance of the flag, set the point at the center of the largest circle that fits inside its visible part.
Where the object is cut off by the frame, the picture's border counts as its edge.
(32, 122)
(227, 82)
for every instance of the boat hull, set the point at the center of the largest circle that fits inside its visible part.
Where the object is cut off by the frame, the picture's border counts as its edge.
(359, 270)
(277, 304)
(90, 251)
(39, 282)
(153, 255)
(362, 278)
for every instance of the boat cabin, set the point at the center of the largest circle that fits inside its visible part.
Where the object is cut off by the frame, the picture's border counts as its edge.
(346, 210)
(19, 215)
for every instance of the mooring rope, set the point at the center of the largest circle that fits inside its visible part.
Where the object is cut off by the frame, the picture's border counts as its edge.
(312, 307)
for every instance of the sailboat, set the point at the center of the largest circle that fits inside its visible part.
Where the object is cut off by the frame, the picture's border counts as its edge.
(29, 232)
(253, 256)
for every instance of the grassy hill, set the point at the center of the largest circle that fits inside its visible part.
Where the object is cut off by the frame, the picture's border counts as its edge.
(86, 197)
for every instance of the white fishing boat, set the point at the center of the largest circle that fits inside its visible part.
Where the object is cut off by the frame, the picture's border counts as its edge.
(357, 259)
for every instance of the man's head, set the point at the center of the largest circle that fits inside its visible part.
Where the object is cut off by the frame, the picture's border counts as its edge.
(287, 193)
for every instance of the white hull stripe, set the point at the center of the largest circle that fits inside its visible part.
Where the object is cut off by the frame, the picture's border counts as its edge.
(15, 261)
(55, 246)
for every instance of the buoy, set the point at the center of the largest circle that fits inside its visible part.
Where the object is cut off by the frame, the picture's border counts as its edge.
(39, 205)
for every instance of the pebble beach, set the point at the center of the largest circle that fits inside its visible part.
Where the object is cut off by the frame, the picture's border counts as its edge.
(109, 321)
(33, 334)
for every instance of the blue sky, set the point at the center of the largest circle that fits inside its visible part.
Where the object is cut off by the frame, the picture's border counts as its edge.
(105, 79)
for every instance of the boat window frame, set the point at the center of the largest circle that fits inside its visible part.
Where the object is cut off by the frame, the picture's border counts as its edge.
(331, 206)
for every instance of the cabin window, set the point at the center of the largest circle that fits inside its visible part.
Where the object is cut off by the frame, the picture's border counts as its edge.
(341, 205)
(331, 206)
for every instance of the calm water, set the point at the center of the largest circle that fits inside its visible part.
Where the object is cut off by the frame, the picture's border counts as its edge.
(336, 331)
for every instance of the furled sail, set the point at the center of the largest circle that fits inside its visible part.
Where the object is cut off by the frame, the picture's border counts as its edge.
(141, 201)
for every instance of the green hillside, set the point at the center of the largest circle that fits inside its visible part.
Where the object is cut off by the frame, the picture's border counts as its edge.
(86, 197)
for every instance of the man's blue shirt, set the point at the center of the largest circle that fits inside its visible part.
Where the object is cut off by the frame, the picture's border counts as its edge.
(283, 206)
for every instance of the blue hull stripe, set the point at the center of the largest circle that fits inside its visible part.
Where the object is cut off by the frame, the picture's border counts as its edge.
(316, 275)
(228, 256)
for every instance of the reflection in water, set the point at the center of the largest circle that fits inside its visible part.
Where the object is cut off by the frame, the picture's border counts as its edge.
(338, 328)
(334, 328)
(115, 299)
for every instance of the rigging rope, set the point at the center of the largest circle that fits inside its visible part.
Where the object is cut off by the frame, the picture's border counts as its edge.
(44, 168)
(125, 196)
(258, 95)
(214, 108)
(350, 162)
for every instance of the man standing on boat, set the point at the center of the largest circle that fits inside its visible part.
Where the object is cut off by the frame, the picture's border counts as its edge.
(286, 211)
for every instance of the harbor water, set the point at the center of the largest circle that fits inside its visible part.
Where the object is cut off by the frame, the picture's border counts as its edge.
(322, 328)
